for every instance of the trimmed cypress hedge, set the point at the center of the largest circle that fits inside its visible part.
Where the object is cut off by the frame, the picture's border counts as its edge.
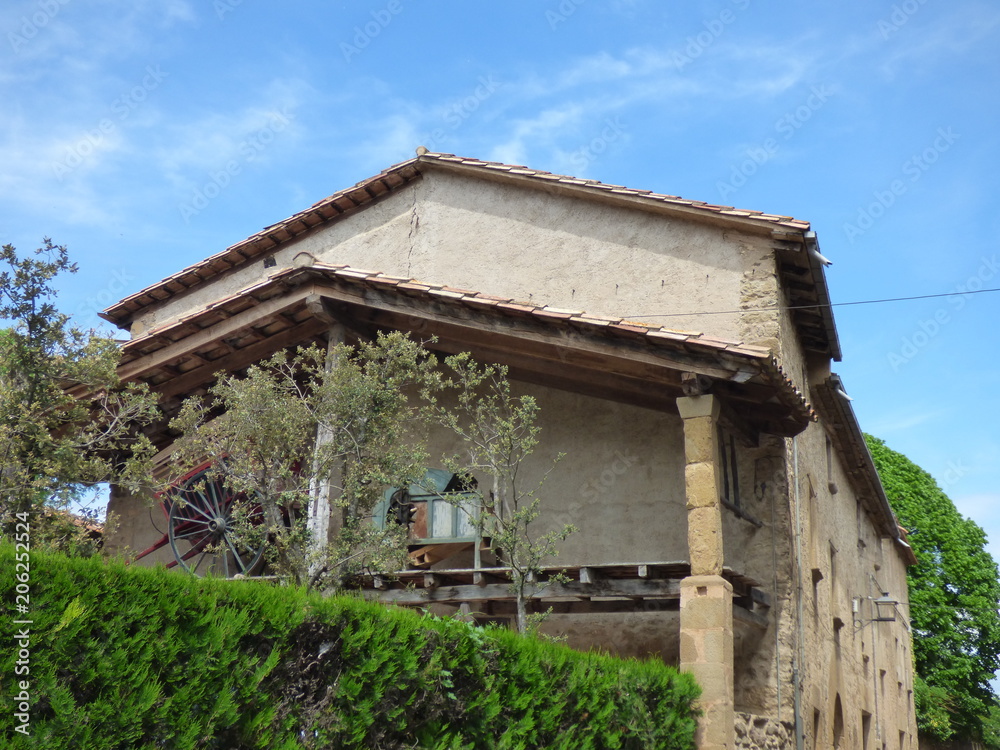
(146, 658)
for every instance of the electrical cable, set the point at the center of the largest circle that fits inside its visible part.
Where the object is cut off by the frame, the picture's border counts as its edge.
(813, 307)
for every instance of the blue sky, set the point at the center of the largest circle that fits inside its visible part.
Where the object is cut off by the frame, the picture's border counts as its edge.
(149, 135)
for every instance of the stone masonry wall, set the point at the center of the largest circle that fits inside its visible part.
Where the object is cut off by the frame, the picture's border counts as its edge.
(762, 733)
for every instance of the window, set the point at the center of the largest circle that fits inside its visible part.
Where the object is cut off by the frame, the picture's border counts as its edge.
(728, 468)
(831, 485)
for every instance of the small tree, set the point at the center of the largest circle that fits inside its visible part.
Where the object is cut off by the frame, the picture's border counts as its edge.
(499, 431)
(54, 446)
(314, 431)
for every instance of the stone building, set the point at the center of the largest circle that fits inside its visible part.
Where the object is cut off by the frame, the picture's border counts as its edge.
(729, 516)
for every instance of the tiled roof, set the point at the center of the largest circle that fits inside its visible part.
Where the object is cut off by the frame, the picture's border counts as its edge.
(374, 188)
(832, 403)
(771, 220)
(280, 281)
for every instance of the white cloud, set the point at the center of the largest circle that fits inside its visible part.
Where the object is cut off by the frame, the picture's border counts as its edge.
(922, 42)
(209, 140)
(904, 421)
(541, 131)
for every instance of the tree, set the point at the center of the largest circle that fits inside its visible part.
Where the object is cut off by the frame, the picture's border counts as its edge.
(55, 445)
(315, 431)
(499, 431)
(954, 593)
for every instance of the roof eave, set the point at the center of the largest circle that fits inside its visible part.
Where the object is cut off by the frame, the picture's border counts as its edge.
(643, 362)
(837, 413)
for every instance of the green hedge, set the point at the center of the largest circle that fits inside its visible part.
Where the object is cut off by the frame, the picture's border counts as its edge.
(145, 658)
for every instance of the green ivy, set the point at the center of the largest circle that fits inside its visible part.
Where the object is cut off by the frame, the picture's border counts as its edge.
(954, 591)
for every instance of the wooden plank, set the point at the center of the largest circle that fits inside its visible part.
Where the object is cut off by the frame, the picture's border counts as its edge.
(227, 328)
(527, 334)
(542, 591)
(750, 618)
(239, 359)
(599, 607)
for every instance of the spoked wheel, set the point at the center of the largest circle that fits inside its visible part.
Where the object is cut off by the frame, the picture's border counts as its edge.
(202, 528)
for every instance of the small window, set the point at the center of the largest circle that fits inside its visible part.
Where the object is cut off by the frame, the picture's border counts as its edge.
(728, 468)
(831, 485)
(440, 508)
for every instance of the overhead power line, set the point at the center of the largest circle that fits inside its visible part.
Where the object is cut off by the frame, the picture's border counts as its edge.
(816, 306)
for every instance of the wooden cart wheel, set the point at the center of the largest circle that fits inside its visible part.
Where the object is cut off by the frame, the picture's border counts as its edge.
(201, 528)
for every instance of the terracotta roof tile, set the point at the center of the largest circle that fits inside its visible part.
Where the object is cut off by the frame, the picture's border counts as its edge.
(669, 335)
(277, 283)
(517, 307)
(386, 280)
(714, 340)
(552, 309)
(481, 300)
(544, 312)
(630, 328)
(446, 293)
(356, 274)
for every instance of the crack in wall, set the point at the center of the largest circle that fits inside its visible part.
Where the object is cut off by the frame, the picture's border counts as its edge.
(414, 226)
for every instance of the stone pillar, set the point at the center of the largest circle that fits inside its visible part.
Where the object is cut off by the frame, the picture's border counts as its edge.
(706, 643)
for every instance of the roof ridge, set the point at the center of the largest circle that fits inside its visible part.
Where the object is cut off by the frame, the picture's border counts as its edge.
(589, 182)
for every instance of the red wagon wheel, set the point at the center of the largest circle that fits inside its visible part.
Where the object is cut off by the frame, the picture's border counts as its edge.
(201, 527)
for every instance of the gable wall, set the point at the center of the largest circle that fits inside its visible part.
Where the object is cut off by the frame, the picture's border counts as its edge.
(529, 244)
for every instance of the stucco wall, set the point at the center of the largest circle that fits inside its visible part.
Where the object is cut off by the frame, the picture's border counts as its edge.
(620, 482)
(138, 524)
(847, 656)
(534, 245)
